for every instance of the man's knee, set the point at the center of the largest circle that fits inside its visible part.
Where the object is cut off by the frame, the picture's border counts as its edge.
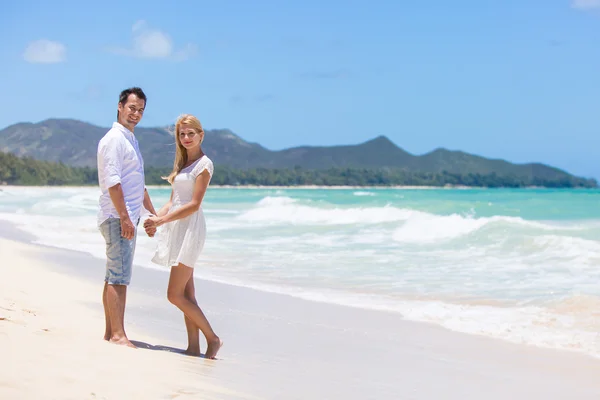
(116, 279)
(116, 275)
(117, 290)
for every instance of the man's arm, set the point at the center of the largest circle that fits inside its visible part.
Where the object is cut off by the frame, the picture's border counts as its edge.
(165, 209)
(151, 230)
(110, 156)
(148, 203)
(116, 195)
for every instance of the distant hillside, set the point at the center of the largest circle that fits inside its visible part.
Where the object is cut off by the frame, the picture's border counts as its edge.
(16, 170)
(74, 143)
(30, 172)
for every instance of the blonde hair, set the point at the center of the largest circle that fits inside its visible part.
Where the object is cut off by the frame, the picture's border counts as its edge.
(181, 157)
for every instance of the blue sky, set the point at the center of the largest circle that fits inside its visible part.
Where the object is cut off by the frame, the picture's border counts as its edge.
(512, 79)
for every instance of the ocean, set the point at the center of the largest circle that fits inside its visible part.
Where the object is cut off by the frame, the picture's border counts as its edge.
(520, 265)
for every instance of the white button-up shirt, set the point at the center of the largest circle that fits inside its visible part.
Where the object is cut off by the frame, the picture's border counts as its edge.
(120, 161)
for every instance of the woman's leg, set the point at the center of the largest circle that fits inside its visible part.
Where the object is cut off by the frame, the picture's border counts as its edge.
(180, 275)
(193, 331)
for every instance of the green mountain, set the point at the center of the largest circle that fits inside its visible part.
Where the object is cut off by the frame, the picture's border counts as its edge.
(74, 143)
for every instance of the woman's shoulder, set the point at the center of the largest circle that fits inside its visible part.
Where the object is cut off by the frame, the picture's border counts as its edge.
(206, 159)
(203, 163)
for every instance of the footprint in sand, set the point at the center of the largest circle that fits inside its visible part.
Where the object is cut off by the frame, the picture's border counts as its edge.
(182, 392)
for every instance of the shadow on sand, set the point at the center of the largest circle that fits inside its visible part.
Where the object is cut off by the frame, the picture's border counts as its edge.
(148, 346)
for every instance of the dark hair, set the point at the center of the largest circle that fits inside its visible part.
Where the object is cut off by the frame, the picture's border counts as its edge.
(132, 90)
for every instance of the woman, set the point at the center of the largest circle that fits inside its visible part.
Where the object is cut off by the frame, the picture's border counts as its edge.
(182, 237)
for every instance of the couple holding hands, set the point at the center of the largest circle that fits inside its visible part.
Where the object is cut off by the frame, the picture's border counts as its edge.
(181, 240)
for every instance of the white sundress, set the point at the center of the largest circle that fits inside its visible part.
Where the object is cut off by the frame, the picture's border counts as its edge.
(182, 240)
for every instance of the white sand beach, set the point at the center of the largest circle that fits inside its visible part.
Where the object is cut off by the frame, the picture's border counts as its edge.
(276, 346)
(51, 348)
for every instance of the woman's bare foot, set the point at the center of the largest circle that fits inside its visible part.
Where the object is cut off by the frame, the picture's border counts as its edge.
(213, 348)
(192, 351)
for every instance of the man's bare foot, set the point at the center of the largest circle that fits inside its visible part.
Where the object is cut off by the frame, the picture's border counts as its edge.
(192, 351)
(123, 341)
(213, 348)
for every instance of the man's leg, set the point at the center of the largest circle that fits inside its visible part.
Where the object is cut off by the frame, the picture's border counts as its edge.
(118, 275)
(108, 331)
(105, 230)
(117, 296)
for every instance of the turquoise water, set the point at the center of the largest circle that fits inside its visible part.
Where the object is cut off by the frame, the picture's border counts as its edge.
(520, 265)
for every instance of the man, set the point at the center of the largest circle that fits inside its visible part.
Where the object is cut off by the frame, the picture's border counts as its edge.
(121, 180)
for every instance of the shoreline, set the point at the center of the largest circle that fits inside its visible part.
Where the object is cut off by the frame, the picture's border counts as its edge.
(318, 345)
(415, 311)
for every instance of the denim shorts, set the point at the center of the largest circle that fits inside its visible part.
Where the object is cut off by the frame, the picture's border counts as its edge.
(119, 252)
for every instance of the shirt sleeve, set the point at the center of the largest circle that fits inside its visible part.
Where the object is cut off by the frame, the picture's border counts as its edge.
(110, 156)
(201, 166)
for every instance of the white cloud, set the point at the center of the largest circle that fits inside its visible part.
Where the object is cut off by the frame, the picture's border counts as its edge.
(585, 4)
(45, 51)
(153, 43)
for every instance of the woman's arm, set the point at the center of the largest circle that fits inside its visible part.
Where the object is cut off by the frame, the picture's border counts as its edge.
(165, 209)
(149, 225)
(200, 186)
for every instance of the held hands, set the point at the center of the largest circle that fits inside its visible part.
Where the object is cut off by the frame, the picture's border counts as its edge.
(150, 231)
(150, 225)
